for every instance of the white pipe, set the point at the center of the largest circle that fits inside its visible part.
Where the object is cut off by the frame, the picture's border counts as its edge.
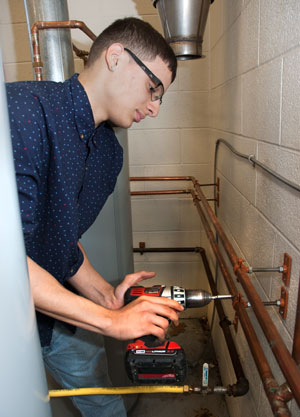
(23, 388)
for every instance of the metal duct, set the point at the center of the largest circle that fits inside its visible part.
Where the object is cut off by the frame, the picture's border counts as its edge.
(23, 388)
(184, 22)
(56, 50)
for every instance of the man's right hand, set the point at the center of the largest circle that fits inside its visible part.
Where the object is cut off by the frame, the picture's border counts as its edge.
(143, 316)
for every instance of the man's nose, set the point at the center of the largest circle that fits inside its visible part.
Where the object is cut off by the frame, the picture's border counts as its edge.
(153, 108)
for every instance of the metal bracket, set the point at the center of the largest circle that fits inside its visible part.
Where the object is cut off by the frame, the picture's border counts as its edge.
(283, 302)
(286, 274)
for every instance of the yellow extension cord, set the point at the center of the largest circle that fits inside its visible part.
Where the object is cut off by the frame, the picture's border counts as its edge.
(147, 389)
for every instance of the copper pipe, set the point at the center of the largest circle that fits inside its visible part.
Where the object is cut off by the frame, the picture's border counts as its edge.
(188, 178)
(164, 192)
(160, 178)
(284, 359)
(296, 344)
(143, 250)
(270, 385)
(63, 24)
(224, 323)
(157, 192)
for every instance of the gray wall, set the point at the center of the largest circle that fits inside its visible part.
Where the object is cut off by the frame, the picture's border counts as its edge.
(255, 104)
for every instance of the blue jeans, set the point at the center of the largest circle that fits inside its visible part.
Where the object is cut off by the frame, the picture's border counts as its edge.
(77, 361)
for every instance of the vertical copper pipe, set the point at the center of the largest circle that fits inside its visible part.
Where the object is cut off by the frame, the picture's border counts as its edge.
(238, 369)
(64, 24)
(296, 344)
(284, 359)
(270, 385)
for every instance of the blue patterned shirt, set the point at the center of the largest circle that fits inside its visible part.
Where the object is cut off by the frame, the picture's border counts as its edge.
(65, 169)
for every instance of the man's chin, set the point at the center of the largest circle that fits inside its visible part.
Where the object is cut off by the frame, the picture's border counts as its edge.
(120, 124)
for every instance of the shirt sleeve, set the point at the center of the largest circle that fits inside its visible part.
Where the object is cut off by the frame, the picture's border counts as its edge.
(26, 123)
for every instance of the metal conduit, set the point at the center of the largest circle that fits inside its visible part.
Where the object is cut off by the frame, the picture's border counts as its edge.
(284, 359)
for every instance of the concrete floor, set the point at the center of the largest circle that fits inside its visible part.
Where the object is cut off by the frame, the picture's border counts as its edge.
(194, 337)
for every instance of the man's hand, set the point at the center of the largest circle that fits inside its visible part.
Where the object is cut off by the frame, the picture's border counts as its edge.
(117, 300)
(145, 315)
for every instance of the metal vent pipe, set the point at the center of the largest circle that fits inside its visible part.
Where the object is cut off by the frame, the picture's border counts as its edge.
(56, 51)
(184, 22)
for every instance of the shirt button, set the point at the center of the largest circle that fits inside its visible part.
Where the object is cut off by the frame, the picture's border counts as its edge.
(71, 271)
(86, 168)
(82, 136)
(95, 142)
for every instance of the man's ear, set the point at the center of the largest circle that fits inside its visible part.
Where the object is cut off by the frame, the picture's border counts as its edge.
(112, 55)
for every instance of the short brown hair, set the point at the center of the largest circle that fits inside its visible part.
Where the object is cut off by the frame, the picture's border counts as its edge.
(140, 37)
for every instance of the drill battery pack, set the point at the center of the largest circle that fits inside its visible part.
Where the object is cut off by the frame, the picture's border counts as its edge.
(159, 365)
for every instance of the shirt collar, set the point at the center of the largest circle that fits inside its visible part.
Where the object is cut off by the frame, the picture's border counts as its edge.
(82, 109)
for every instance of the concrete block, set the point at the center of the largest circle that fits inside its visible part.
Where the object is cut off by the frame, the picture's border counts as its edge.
(189, 218)
(231, 50)
(248, 40)
(276, 201)
(154, 146)
(154, 21)
(155, 215)
(166, 273)
(196, 146)
(215, 108)
(279, 27)
(261, 96)
(18, 72)
(231, 106)
(217, 66)
(231, 12)
(193, 109)
(12, 11)
(290, 100)
(15, 47)
(217, 22)
(252, 232)
(193, 75)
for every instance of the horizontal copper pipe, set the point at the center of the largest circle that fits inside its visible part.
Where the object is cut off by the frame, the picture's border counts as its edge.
(161, 178)
(143, 249)
(187, 178)
(157, 192)
(63, 24)
(283, 357)
(271, 387)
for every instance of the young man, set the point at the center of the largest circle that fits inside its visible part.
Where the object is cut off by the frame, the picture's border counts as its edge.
(67, 160)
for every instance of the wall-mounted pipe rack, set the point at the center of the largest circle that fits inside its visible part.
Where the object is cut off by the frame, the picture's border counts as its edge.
(277, 395)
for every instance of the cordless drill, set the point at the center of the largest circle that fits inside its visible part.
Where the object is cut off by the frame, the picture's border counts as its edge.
(150, 361)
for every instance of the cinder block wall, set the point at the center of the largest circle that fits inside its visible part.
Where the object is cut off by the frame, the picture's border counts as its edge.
(255, 105)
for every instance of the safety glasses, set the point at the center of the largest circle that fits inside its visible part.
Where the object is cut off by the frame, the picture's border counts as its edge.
(158, 90)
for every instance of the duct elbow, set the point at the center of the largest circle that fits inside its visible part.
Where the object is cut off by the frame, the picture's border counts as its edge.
(240, 388)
